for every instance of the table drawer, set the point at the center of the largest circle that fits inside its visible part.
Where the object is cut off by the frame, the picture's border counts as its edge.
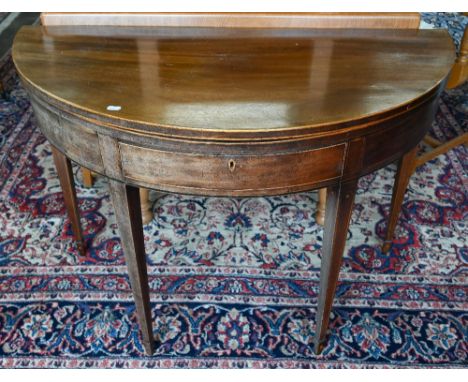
(231, 174)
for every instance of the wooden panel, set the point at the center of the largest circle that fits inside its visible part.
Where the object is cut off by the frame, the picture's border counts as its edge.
(404, 171)
(340, 200)
(126, 203)
(239, 20)
(390, 143)
(78, 143)
(67, 182)
(229, 175)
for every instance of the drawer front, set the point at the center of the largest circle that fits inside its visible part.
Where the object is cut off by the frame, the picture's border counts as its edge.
(231, 175)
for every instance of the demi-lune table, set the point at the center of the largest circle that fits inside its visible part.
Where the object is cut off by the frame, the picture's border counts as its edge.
(231, 112)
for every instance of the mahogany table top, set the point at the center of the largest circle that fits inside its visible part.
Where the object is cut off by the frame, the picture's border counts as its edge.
(231, 81)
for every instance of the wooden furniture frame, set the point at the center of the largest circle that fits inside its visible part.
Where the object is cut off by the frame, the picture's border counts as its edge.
(313, 20)
(280, 20)
(308, 136)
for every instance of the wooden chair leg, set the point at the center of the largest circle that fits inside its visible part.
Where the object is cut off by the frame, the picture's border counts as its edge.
(405, 169)
(126, 201)
(459, 72)
(65, 174)
(440, 149)
(87, 177)
(146, 207)
(431, 141)
(340, 200)
(322, 200)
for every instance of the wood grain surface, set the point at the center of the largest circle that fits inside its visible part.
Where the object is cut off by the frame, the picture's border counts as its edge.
(377, 20)
(231, 80)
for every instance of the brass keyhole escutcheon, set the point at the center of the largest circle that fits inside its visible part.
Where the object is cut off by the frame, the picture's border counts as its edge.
(232, 165)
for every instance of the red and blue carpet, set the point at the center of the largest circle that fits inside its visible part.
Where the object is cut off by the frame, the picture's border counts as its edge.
(233, 281)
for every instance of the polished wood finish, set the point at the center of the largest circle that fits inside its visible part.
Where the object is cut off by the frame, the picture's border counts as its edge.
(87, 177)
(213, 111)
(222, 88)
(65, 175)
(126, 201)
(382, 20)
(340, 198)
(238, 174)
(458, 76)
(339, 205)
(431, 141)
(404, 171)
(257, 20)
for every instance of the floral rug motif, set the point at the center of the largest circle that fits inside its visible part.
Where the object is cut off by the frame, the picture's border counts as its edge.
(233, 282)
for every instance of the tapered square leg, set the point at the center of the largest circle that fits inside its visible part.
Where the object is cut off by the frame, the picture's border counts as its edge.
(126, 200)
(405, 169)
(65, 174)
(340, 200)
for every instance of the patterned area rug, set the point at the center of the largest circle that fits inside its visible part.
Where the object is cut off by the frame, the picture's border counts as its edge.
(233, 282)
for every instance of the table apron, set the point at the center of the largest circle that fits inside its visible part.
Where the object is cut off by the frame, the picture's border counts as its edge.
(234, 169)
